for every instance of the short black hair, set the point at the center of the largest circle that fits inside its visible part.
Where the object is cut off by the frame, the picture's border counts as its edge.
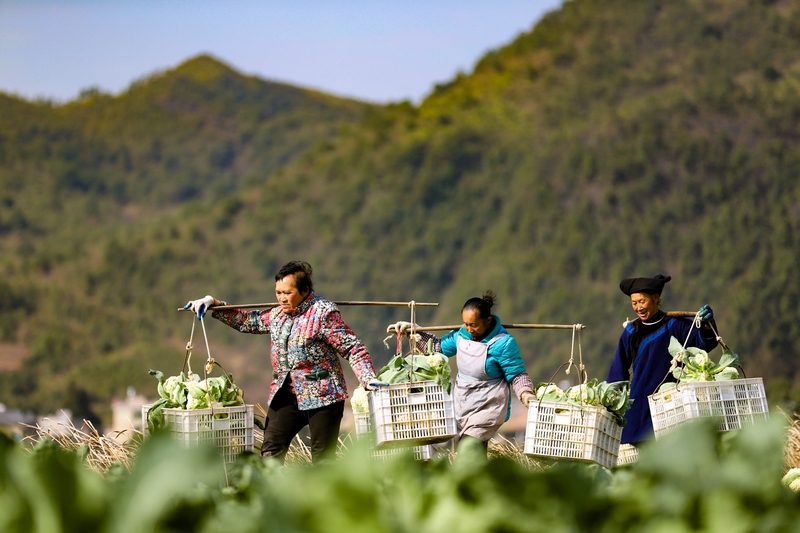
(302, 275)
(483, 304)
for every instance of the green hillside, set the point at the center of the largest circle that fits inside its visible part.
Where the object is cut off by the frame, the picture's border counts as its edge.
(82, 186)
(617, 138)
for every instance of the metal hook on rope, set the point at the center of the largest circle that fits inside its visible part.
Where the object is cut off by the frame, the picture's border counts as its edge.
(413, 305)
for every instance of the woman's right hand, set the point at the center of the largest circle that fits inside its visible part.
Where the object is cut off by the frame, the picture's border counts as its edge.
(199, 307)
(399, 328)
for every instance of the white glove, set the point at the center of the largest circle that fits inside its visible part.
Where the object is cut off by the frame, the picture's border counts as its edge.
(400, 327)
(375, 385)
(199, 307)
(526, 398)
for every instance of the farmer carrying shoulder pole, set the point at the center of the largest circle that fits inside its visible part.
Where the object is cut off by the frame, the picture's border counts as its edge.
(642, 353)
(308, 386)
(488, 361)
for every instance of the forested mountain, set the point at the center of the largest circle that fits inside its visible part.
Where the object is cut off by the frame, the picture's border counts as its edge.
(617, 138)
(90, 188)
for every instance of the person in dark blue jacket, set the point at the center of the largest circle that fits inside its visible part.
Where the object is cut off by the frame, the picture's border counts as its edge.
(642, 353)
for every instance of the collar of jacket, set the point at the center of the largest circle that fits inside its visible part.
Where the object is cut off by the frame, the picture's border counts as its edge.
(304, 305)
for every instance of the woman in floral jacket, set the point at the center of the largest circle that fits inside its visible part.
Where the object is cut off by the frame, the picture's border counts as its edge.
(308, 385)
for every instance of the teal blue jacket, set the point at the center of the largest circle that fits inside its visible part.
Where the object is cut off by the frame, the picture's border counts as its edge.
(503, 360)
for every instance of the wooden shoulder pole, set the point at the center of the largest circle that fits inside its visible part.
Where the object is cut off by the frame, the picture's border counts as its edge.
(508, 326)
(356, 302)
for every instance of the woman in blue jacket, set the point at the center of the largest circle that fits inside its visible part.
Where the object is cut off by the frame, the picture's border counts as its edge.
(489, 367)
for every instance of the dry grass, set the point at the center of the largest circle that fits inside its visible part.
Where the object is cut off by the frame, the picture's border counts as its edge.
(104, 451)
(792, 446)
(500, 446)
(101, 451)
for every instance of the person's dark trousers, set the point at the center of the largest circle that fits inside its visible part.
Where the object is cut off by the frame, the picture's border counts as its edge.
(285, 420)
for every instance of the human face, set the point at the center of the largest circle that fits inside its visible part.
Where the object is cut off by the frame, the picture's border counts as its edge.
(288, 295)
(476, 326)
(645, 305)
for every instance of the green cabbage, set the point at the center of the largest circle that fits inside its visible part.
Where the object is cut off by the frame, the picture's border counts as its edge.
(615, 397)
(792, 479)
(432, 366)
(182, 392)
(698, 366)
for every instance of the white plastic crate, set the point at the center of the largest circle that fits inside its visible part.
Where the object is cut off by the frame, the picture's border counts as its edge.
(364, 429)
(421, 453)
(736, 403)
(627, 454)
(565, 431)
(230, 429)
(415, 413)
(362, 423)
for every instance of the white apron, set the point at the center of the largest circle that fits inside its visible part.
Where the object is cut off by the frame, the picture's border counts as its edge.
(481, 402)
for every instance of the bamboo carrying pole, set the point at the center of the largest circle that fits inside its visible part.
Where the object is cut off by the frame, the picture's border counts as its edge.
(356, 302)
(509, 326)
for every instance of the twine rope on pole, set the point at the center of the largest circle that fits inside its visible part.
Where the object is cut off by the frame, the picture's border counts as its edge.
(189, 348)
(678, 358)
(414, 350)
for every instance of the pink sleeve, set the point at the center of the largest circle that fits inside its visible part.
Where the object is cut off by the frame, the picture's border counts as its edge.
(256, 322)
(522, 383)
(348, 345)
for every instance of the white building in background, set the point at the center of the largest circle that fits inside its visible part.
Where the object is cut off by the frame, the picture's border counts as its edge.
(126, 417)
(57, 423)
(15, 422)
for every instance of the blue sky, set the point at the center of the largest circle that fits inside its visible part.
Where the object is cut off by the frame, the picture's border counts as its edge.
(378, 50)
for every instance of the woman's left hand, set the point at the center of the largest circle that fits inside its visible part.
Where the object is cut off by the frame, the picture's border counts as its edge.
(400, 327)
(375, 385)
(705, 313)
(526, 398)
(199, 307)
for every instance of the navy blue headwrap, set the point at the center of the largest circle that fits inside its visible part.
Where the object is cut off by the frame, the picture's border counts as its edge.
(648, 285)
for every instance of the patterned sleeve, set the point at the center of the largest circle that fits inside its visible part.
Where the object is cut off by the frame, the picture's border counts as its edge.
(423, 337)
(256, 322)
(522, 383)
(345, 342)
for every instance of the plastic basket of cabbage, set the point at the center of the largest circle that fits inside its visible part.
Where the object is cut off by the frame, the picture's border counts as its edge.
(195, 411)
(707, 389)
(583, 423)
(363, 425)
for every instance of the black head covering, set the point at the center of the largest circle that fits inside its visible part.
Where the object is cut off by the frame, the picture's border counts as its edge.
(649, 285)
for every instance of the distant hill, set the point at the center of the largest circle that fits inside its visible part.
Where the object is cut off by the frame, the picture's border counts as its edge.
(617, 138)
(79, 181)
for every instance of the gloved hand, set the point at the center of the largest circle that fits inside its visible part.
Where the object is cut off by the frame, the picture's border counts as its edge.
(199, 307)
(400, 327)
(705, 313)
(375, 385)
(526, 398)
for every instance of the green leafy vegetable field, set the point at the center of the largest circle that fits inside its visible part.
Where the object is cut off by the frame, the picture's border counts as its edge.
(694, 479)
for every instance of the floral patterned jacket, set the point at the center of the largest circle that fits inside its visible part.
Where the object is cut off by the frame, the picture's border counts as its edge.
(305, 344)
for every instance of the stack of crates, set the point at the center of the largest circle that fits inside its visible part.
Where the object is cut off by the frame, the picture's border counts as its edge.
(627, 454)
(364, 428)
(229, 429)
